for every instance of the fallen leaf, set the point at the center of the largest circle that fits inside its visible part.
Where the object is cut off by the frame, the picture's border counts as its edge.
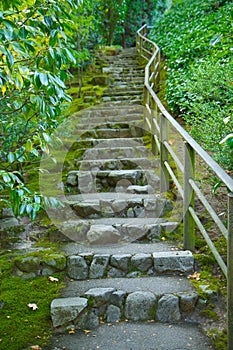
(195, 276)
(35, 347)
(171, 142)
(33, 306)
(53, 279)
(72, 331)
(87, 331)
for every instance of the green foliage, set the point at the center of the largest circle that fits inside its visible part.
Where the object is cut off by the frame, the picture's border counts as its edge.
(35, 56)
(196, 40)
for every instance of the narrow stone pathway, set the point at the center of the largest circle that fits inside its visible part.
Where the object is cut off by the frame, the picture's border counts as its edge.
(124, 283)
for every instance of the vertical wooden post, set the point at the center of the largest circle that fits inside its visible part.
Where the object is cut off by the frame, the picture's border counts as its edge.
(164, 175)
(230, 273)
(189, 225)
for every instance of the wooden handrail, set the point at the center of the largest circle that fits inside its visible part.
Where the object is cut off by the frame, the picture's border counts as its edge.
(188, 187)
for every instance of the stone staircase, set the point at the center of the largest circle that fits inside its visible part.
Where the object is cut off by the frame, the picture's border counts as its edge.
(118, 265)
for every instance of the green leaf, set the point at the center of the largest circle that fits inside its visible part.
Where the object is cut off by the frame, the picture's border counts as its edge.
(29, 146)
(46, 137)
(43, 79)
(11, 157)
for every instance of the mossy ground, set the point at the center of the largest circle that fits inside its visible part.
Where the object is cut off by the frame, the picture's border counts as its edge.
(20, 326)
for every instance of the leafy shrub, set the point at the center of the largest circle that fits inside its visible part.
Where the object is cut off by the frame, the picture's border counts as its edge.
(195, 38)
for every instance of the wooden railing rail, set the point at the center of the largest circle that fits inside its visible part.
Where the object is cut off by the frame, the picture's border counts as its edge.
(159, 122)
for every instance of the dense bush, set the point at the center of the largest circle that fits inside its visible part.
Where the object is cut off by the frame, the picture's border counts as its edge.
(196, 39)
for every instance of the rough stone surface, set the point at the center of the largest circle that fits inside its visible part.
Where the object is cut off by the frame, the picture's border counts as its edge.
(77, 267)
(103, 234)
(140, 189)
(177, 261)
(188, 301)
(115, 273)
(65, 310)
(99, 265)
(168, 309)
(113, 313)
(75, 230)
(28, 264)
(98, 296)
(121, 261)
(140, 306)
(117, 298)
(142, 262)
(88, 320)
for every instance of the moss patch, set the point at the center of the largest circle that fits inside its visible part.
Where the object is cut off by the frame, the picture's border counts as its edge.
(20, 326)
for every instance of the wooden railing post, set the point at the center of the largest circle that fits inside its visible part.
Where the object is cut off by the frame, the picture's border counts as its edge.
(164, 175)
(230, 273)
(189, 225)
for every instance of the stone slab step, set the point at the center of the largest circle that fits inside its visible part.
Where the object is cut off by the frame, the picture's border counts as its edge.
(118, 124)
(128, 336)
(122, 92)
(110, 231)
(116, 302)
(117, 164)
(118, 118)
(106, 110)
(108, 143)
(130, 99)
(86, 266)
(159, 285)
(112, 133)
(124, 205)
(117, 180)
(116, 152)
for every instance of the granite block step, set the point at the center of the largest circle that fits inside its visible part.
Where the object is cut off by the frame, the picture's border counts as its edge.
(116, 152)
(117, 164)
(102, 133)
(116, 231)
(109, 181)
(120, 205)
(118, 124)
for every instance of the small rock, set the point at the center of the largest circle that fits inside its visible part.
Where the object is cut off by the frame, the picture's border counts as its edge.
(77, 267)
(98, 296)
(65, 310)
(113, 313)
(140, 306)
(173, 261)
(168, 309)
(99, 265)
(121, 261)
(142, 262)
(188, 301)
(103, 234)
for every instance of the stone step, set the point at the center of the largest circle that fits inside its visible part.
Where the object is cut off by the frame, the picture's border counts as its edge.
(128, 336)
(118, 118)
(122, 94)
(86, 266)
(114, 180)
(108, 143)
(116, 231)
(124, 205)
(116, 152)
(101, 133)
(121, 124)
(106, 109)
(116, 164)
(130, 99)
(167, 300)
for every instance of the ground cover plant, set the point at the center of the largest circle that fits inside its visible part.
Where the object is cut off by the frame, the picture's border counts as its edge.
(196, 40)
